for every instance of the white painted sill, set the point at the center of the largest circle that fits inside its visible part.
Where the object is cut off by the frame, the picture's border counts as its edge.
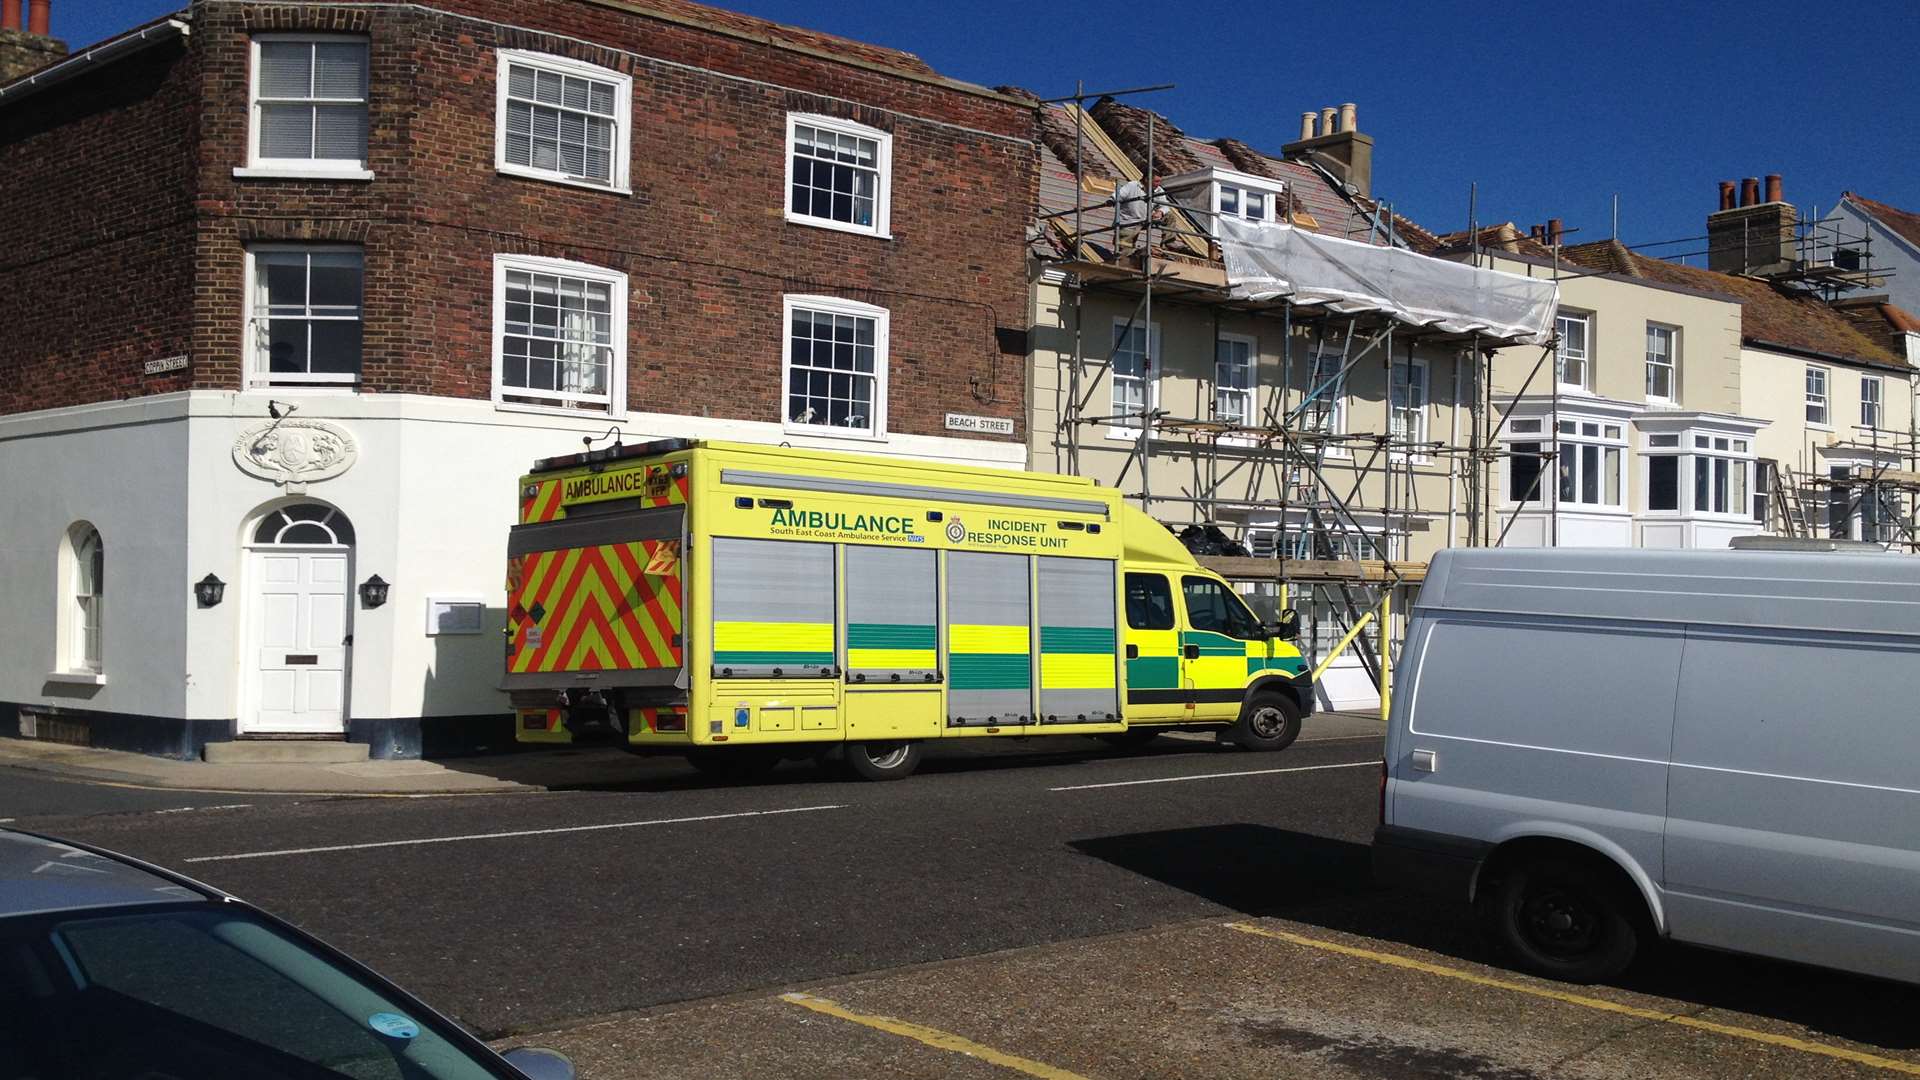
(77, 678)
(557, 178)
(276, 172)
(837, 226)
(558, 410)
(822, 431)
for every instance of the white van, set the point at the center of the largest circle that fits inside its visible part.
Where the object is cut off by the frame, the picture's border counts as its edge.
(1597, 747)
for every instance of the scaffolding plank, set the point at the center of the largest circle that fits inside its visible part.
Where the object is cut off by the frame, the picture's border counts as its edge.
(1368, 571)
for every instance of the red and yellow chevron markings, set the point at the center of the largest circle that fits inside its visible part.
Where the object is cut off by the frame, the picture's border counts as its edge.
(540, 501)
(611, 606)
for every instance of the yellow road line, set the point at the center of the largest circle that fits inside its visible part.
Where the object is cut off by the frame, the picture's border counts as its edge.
(932, 1037)
(1872, 1061)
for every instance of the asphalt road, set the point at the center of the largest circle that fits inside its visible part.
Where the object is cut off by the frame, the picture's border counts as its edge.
(672, 888)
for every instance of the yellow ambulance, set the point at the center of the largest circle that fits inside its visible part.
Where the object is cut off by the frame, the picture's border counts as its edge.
(740, 604)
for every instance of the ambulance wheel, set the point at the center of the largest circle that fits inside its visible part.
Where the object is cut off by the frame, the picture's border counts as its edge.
(1268, 721)
(1135, 739)
(742, 765)
(882, 760)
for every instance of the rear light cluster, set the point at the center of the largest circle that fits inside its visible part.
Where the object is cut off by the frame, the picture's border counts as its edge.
(673, 718)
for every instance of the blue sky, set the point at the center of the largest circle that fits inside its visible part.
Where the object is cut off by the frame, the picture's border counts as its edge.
(1550, 107)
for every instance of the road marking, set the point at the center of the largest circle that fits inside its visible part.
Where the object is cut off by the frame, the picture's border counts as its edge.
(1786, 1041)
(1375, 763)
(505, 835)
(185, 809)
(933, 1037)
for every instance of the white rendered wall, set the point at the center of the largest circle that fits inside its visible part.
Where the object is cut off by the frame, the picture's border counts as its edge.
(120, 467)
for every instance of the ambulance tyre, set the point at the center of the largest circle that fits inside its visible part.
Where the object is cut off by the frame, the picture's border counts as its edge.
(882, 760)
(1268, 721)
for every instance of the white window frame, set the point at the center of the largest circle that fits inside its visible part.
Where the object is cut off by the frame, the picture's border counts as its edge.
(1337, 414)
(1824, 398)
(882, 336)
(1871, 417)
(614, 401)
(301, 168)
(258, 366)
(1241, 194)
(619, 179)
(883, 183)
(1118, 428)
(79, 655)
(1419, 412)
(1584, 384)
(1671, 363)
(1249, 395)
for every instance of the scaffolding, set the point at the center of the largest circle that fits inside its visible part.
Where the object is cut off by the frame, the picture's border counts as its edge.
(1872, 490)
(1346, 502)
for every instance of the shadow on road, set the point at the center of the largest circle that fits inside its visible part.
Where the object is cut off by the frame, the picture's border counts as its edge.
(1265, 871)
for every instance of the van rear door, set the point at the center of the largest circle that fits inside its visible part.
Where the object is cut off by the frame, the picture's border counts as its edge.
(595, 600)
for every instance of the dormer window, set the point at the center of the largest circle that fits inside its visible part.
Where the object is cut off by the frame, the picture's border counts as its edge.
(1246, 203)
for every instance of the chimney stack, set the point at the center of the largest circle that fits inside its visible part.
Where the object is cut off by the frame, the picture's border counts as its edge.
(1554, 227)
(1309, 125)
(1755, 238)
(26, 50)
(1339, 147)
(1537, 232)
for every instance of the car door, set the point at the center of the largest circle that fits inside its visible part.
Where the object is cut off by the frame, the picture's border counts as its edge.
(1155, 692)
(1218, 636)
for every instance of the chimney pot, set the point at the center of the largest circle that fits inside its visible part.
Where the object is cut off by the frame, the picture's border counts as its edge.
(10, 14)
(1750, 191)
(1726, 194)
(1349, 117)
(1773, 188)
(38, 21)
(1553, 231)
(1537, 232)
(1328, 117)
(1307, 124)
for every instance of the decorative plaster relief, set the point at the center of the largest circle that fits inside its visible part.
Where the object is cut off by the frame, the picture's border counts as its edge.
(295, 453)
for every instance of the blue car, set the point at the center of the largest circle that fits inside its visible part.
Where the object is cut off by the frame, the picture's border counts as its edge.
(113, 968)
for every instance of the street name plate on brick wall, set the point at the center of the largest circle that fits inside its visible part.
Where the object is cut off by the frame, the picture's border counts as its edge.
(165, 364)
(987, 425)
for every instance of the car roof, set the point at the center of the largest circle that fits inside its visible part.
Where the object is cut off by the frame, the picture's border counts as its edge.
(40, 875)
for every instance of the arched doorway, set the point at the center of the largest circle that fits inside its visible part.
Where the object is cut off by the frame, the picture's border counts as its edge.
(300, 622)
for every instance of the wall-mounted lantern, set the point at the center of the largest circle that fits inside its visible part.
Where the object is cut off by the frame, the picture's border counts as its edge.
(373, 592)
(209, 590)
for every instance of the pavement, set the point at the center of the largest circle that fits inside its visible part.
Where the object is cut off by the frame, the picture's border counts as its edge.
(535, 770)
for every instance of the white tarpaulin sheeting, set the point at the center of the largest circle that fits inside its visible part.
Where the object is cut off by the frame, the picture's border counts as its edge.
(1274, 262)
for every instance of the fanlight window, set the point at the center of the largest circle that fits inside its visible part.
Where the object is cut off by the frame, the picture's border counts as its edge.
(304, 523)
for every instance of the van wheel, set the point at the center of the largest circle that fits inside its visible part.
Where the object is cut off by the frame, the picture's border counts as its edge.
(1130, 740)
(1561, 919)
(744, 765)
(882, 760)
(1268, 721)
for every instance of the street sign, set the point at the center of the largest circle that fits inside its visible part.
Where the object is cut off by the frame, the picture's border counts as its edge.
(988, 425)
(165, 364)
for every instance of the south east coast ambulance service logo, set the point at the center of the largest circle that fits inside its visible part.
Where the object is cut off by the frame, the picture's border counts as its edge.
(956, 531)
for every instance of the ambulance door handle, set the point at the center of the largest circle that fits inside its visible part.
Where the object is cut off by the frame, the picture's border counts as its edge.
(1133, 652)
(1191, 652)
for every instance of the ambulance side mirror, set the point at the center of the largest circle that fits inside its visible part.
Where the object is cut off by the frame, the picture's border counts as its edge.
(1288, 628)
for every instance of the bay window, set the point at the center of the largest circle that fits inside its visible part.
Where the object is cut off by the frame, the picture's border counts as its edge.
(1589, 463)
(1700, 473)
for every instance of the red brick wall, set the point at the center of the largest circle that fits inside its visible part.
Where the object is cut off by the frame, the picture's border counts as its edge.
(702, 238)
(96, 233)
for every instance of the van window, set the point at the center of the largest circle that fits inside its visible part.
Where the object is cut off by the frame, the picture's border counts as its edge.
(1212, 606)
(1149, 602)
(1550, 683)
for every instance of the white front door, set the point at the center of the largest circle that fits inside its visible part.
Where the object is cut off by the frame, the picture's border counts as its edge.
(301, 618)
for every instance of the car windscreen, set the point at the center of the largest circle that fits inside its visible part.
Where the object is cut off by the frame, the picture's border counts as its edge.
(203, 991)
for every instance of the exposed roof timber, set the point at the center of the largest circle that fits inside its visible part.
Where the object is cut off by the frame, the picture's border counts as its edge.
(146, 37)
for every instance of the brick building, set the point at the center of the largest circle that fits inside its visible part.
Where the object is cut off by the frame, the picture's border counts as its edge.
(296, 292)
